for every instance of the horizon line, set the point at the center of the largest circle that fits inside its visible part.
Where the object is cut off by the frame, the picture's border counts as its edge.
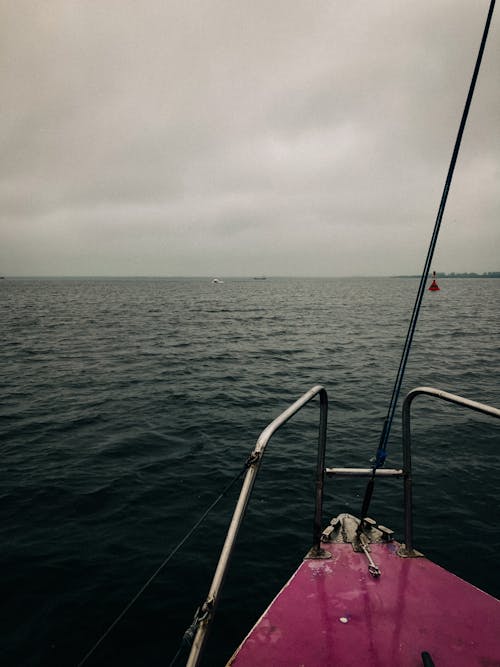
(240, 277)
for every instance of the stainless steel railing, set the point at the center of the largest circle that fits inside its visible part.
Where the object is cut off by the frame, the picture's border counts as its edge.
(208, 608)
(445, 396)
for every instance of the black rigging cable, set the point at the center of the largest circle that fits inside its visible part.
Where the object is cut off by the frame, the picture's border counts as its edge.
(384, 437)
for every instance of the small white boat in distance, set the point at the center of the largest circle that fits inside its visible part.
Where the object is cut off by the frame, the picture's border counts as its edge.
(217, 281)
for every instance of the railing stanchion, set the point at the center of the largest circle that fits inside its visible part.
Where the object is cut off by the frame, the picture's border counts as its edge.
(320, 471)
(407, 481)
(444, 396)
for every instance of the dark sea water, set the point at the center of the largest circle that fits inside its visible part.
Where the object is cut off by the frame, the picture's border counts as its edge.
(127, 405)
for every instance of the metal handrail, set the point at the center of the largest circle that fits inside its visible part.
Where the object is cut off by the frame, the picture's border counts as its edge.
(209, 606)
(205, 614)
(445, 396)
(363, 472)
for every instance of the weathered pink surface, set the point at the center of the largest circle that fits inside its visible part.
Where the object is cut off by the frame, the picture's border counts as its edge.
(332, 612)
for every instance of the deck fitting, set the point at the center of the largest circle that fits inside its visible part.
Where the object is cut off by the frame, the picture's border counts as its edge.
(387, 533)
(317, 554)
(325, 535)
(403, 552)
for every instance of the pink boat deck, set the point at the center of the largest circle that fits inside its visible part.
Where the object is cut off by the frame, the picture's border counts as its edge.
(333, 612)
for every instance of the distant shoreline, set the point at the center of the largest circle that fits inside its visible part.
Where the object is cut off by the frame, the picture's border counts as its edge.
(488, 274)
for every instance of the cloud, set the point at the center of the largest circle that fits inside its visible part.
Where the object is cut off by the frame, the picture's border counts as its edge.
(312, 138)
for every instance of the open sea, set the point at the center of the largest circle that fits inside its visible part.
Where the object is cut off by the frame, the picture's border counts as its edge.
(127, 405)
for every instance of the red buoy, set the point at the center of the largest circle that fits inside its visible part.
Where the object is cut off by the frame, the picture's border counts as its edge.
(434, 286)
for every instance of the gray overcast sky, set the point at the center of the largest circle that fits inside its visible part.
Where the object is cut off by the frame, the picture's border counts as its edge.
(277, 137)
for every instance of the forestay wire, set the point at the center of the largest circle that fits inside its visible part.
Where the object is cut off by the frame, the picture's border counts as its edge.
(386, 429)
